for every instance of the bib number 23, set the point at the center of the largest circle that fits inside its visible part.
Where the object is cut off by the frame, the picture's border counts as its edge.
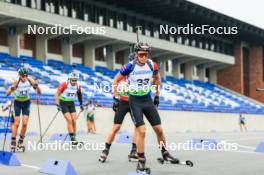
(141, 82)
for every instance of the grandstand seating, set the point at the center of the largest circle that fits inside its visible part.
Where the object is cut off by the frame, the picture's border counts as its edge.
(185, 95)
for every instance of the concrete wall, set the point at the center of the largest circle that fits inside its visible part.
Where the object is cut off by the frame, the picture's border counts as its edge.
(54, 56)
(26, 52)
(172, 121)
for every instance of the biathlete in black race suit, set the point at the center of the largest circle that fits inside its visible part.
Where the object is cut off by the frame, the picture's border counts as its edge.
(121, 108)
(65, 96)
(21, 89)
(141, 74)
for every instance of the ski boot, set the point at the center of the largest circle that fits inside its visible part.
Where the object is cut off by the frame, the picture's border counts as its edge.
(20, 145)
(132, 155)
(74, 143)
(141, 168)
(104, 155)
(13, 146)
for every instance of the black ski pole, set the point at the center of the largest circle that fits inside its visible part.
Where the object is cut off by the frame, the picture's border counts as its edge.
(49, 125)
(40, 128)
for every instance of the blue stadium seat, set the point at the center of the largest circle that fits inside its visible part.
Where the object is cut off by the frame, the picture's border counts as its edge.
(185, 95)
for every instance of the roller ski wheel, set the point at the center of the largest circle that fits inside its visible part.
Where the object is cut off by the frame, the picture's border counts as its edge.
(142, 169)
(80, 144)
(189, 163)
(103, 156)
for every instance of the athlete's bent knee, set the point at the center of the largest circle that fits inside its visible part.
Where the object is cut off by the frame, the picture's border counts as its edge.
(70, 122)
(73, 121)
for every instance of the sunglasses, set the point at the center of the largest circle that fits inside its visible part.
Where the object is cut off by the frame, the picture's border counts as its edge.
(143, 54)
(73, 81)
(23, 76)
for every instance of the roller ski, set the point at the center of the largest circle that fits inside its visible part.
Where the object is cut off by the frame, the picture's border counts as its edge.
(104, 155)
(167, 158)
(141, 168)
(133, 156)
(20, 146)
(76, 144)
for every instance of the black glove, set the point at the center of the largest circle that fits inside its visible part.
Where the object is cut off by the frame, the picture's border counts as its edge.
(81, 107)
(156, 100)
(58, 107)
(115, 104)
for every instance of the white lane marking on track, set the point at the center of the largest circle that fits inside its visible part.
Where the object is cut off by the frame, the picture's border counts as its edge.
(250, 152)
(248, 147)
(238, 151)
(243, 146)
(30, 166)
(234, 151)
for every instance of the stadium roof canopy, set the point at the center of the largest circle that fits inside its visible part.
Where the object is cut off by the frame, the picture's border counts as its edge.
(182, 12)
